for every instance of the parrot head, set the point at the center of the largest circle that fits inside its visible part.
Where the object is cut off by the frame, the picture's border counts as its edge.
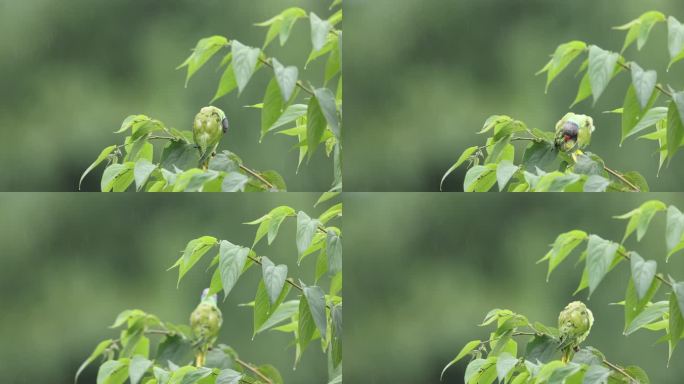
(207, 298)
(573, 132)
(574, 324)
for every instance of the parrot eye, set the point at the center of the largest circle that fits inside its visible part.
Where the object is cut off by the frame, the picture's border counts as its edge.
(224, 123)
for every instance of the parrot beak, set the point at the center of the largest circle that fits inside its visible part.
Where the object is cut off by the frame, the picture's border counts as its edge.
(224, 123)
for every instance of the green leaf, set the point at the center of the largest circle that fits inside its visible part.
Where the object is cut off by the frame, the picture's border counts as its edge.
(639, 28)
(193, 252)
(274, 278)
(601, 67)
(117, 177)
(650, 118)
(132, 121)
(292, 113)
(138, 368)
(676, 324)
(638, 373)
(644, 83)
(326, 100)
(315, 125)
(204, 50)
(596, 374)
(561, 375)
(651, 313)
(306, 229)
(226, 84)
(643, 273)
(675, 128)
(273, 107)
(277, 215)
(286, 78)
(564, 244)
(100, 158)
(600, 255)
(232, 259)
(504, 364)
(178, 154)
(101, 347)
(474, 367)
(504, 172)
(541, 154)
(229, 376)
(333, 249)
(319, 31)
(562, 57)
(596, 183)
(284, 311)
(113, 372)
(234, 182)
(315, 298)
(541, 348)
(142, 171)
(469, 347)
(244, 63)
(635, 305)
(641, 217)
(674, 228)
(584, 89)
(306, 325)
(282, 24)
(480, 178)
(464, 156)
(675, 38)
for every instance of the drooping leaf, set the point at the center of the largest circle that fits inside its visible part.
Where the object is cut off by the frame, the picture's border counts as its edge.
(306, 229)
(232, 259)
(674, 228)
(319, 31)
(273, 107)
(644, 83)
(601, 67)
(600, 255)
(286, 78)
(464, 156)
(100, 158)
(469, 347)
(675, 128)
(204, 50)
(138, 368)
(643, 273)
(326, 101)
(562, 57)
(244, 63)
(564, 244)
(142, 171)
(504, 171)
(226, 84)
(651, 313)
(274, 278)
(99, 349)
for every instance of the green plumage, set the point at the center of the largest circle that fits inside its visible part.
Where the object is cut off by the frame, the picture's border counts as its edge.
(205, 321)
(573, 132)
(208, 127)
(574, 324)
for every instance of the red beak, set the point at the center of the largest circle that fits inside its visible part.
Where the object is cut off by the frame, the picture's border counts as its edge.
(566, 138)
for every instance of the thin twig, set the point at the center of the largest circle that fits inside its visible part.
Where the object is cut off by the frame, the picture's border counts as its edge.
(253, 370)
(257, 175)
(619, 370)
(622, 178)
(299, 83)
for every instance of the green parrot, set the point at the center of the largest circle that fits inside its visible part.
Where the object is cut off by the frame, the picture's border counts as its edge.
(574, 324)
(209, 126)
(573, 132)
(205, 322)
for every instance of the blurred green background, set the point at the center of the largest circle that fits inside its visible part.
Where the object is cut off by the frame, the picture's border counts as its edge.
(428, 267)
(71, 72)
(70, 263)
(423, 75)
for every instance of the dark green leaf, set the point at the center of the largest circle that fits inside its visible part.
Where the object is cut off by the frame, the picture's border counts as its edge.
(540, 155)
(273, 107)
(326, 101)
(333, 249)
(228, 376)
(596, 374)
(226, 84)
(234, 182)
(675, 128)
(315, 125)
(596, 183)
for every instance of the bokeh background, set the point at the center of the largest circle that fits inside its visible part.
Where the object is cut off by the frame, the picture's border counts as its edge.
(71, 72)
(423, 75)
(70, 263)
(426, 268)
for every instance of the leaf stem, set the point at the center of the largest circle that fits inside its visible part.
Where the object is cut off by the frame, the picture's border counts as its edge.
(257, 175)
(620, 177)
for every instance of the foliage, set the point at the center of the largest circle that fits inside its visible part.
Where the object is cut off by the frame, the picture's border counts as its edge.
(641, 309)
(541, 161)
(291, 107)
(312, 315)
